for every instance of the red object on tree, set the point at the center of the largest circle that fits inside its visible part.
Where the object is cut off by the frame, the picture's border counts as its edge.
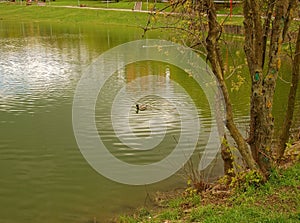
(230, 8)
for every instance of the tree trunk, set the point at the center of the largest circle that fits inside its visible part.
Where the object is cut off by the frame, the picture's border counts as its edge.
(283, 139)
(227, 158)
(254, 50)
(263, 85)
(215, 58)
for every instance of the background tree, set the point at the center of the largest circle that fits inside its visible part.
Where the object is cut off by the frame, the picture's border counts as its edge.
(284, 137)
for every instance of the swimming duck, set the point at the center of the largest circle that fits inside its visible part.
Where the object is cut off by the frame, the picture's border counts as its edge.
(140, 108)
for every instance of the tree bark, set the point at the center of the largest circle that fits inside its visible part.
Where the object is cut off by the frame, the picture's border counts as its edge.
(227, 158)
(263, 85)
(283, 139)
(254, 50)
(215, 58)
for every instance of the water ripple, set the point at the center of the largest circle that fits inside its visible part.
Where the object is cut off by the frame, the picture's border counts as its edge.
(32, 75)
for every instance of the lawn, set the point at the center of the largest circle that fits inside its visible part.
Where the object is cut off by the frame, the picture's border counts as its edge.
(34, 13)
(53, 11)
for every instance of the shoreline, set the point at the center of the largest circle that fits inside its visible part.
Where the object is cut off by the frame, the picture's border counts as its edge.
(276, 201)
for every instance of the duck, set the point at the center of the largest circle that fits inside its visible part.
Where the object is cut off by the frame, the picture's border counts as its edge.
(140, 108)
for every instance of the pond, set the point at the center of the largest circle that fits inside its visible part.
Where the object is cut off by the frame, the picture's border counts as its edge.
(44, 176)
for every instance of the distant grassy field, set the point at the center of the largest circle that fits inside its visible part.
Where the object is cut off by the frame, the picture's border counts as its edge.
(102, 4)
(97, 4)
(17, 12)
(53, 12)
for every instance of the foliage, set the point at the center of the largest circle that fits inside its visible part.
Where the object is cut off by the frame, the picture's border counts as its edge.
(138, 216)
(278, 200)
(235, 85)
(246, 179)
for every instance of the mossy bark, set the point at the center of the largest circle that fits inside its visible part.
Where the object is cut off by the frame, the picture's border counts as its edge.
(264, 83)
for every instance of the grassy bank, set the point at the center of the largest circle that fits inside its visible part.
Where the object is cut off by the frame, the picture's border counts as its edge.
(276, 201)
(56, 12)
(33, 13)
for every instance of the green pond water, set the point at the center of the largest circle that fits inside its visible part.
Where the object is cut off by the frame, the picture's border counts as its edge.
(43, 175)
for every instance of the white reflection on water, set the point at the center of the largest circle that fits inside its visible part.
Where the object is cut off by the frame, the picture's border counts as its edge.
(31, 71)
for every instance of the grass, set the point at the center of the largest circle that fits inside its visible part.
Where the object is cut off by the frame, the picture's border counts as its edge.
(103, 4)
(53, 12)
(33, 13)
(96, 4)
(237, 9)
(276, 201)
